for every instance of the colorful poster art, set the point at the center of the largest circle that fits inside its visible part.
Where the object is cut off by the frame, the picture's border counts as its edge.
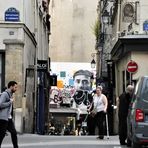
(82, 97)
(74, 86)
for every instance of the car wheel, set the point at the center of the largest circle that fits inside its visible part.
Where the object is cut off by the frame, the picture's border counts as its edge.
(128, 142)
(135, 145)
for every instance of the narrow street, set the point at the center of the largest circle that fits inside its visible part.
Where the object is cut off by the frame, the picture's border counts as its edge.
(65, 70)
(32, 140)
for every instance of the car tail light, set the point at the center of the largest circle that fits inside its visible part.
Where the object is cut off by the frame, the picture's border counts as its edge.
(139, 115)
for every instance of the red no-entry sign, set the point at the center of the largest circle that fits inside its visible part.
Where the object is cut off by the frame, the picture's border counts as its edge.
(132, 66)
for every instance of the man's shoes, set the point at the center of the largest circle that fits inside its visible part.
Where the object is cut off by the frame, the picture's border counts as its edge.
(123, 143)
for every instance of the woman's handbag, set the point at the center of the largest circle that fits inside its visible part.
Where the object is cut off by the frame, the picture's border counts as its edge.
(93, 112)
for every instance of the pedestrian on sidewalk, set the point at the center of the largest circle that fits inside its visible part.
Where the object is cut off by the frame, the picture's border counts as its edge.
(100, 103)
(90, 118)
(124, 101)
(6, 110)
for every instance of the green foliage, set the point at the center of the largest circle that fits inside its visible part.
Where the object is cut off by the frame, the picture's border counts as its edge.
(96, 29)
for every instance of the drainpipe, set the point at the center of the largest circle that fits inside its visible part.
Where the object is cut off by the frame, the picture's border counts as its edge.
(118, 19)
(35, 63)
(118, 31)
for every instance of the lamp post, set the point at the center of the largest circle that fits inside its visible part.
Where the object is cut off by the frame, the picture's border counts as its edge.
(105, 17)
(99, 47)
(93, 62)
(97, 63)
(104, 21)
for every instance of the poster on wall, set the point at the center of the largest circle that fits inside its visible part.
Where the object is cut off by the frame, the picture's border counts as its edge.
(75, 82)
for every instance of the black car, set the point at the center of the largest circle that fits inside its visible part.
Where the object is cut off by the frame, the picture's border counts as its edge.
(137, 134)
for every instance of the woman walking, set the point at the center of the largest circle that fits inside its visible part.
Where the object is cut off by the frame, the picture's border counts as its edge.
(100, 105)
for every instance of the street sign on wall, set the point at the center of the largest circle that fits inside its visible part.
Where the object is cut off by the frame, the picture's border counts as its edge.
(11, 14)
(132, 66)
(145, 25)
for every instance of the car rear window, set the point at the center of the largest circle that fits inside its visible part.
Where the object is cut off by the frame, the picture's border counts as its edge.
(144, 91)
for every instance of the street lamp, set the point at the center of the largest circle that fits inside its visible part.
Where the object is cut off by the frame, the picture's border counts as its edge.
(93, 62)
(104, 21)
(105, 17)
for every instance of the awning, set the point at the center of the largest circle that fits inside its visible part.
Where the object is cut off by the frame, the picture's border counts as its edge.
(129, 43)
(64, 110)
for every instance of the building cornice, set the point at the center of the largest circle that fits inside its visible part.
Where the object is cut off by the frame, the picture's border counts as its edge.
(19, 25)
(128, 44)
(13, 41)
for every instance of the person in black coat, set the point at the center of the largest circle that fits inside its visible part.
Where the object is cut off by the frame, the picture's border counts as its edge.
(124, 101)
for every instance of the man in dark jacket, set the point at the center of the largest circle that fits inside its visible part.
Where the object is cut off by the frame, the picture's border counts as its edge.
(6, 109)
(124, 101)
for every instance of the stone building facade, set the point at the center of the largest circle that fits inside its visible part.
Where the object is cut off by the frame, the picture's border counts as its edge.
(72, 38)
(24, 40)
(127, 42)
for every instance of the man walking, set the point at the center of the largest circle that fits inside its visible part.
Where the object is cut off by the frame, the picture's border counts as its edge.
(6, 109)
(124, 101)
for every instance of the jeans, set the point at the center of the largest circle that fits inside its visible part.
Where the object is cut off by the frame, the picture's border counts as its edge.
(8, 125)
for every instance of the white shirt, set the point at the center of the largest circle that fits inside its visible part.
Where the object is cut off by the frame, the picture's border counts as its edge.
(10, 116)
(98, 103)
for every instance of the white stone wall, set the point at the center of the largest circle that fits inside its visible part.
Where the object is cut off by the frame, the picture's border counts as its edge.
(120, 67)
(10, 31)
(141, 59)
(20, 34)
(42, 39)
(29, 15)
(23, 42)
(4, 5)
(71, 37)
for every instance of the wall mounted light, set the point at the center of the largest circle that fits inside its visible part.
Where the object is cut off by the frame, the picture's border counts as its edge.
(93, 62)
(105, 17)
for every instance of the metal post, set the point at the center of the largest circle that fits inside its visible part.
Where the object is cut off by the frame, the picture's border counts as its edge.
(130, 78)
(35, 64)
(97, 65)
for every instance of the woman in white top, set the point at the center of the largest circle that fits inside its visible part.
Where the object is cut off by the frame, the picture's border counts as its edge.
(100, 105)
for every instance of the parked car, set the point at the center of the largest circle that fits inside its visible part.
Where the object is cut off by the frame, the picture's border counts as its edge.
(137, 121)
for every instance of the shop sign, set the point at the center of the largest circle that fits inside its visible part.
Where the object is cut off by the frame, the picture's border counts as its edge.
(42, 65)
(12, 14)
(145, 25)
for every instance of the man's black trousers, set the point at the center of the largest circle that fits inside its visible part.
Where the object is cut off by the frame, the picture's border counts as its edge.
(8, 125)
(122, 129)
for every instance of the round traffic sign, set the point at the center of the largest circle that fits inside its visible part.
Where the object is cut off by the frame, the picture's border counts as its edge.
(132, 66)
